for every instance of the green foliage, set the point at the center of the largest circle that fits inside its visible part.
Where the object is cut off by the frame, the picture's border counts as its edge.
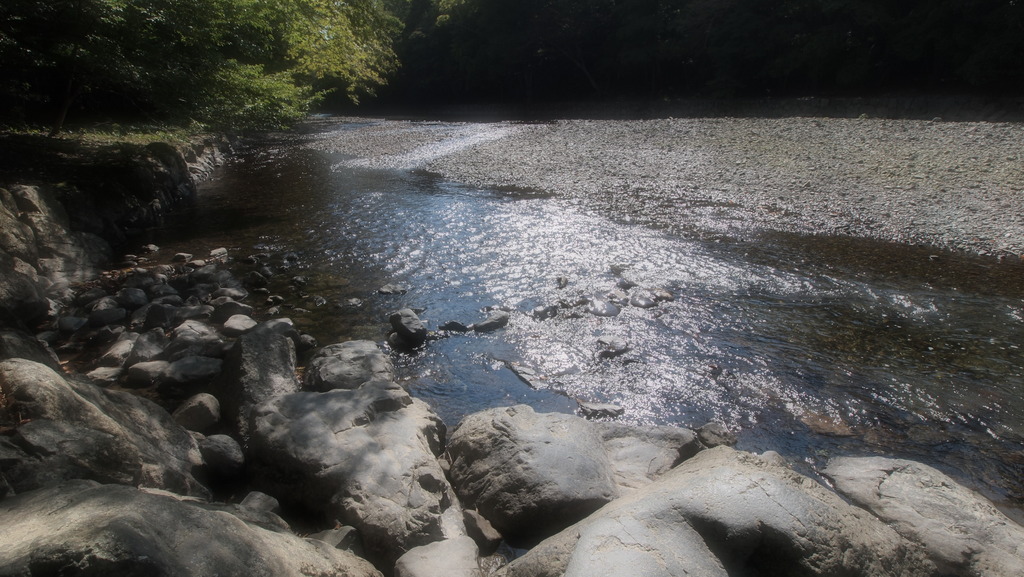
(246, 63)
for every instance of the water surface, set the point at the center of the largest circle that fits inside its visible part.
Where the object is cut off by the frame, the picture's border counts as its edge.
(807, 345)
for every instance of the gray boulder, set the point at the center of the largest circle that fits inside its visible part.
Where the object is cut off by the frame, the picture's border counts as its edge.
(260, 366)
(347, 366)
(722, 513)
(146, 374)
(225, 308)
(532, 474)
(222, 457)
(198, 413)
(409, 327)
(73, 430)
(21, 301)
(186, 374)
(365, 457)
(449, 558)
(962, 532)
(194, 338)
(118, 353)
(147, 347)
(495, 320)
(87, 529)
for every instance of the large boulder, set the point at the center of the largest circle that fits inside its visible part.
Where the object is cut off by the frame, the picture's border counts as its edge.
(18, 345)
(533, 474)
(260, 366)
(725, 512)
(449, 558)
(365, 457)
(962, 532)
(72, 430)
(347, 366)
(21, 301)
(87, 529)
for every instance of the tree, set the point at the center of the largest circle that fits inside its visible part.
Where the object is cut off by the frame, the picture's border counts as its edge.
(237, 62)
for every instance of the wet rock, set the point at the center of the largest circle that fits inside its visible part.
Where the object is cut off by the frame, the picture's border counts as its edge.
(455, 327)
(720, 513)
(662, 295)
(393, 289)
(600, 410)
(544, 312)
(84, 528)
(962, 532)
(449, 558)
(533, 474)
(274, 300)
(624, 284)
(561, 282)
(347, 366)
(495, 320)
(611, 347)
(366, 457)
(74, 430)
(198, 413)
(238, 325)
(527, 375)
(409, 327)
(643, 300)
(260, 366)
(716, 435)
(602, 308)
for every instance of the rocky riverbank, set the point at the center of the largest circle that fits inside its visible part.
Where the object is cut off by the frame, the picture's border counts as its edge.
(187, 428)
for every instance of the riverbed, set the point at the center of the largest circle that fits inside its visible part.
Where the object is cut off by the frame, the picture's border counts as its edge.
(838, 286)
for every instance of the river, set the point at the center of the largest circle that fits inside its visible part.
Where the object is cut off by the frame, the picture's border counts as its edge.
(811, 346)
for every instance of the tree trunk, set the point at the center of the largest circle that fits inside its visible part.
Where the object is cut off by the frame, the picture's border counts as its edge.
(69, 98)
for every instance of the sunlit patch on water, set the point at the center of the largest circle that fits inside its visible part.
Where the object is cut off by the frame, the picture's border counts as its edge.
(810, 346)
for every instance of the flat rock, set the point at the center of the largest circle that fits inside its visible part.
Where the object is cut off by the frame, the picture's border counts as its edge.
(347, 366)
(77, 430)
(84, 528)
(725, 512)
(238, 325)
(365, 457)
(495, 320)
(449, 558)
(962, 532)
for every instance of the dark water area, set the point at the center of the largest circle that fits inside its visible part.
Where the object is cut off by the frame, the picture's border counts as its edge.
(812, 346)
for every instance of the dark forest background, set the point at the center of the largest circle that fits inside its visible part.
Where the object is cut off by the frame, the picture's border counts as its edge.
(268, 62)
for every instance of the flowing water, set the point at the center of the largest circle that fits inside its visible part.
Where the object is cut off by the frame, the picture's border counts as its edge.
(807, 345)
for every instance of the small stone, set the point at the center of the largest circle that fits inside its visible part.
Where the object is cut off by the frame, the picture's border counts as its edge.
(600, 410)
(103, 317)
(182, 257)
(611, 347)
(131, 298)
(260, 502)
(198, 413)
(219, 254)
(715, 435)
(561, 282)
(393, 289)
(480, 530)
(149, 249)
(146, 373)
(68, 325)
(238, 325)
(495, 320)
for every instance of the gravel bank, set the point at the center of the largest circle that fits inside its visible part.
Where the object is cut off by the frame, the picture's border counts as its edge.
(957, 185)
